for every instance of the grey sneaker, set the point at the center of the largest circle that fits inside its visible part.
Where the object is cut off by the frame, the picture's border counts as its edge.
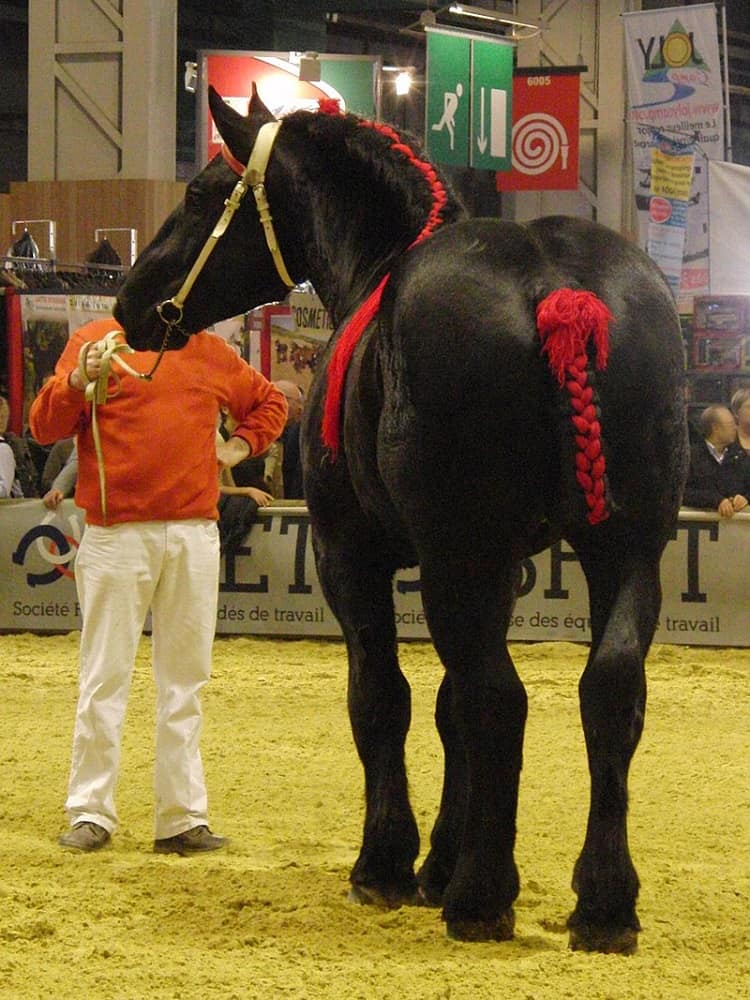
(195, 841)
(84, 837)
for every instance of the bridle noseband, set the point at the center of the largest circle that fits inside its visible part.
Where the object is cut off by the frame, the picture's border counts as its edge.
(252, 177)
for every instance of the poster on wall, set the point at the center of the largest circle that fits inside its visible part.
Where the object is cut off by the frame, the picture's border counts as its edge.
(675, 90)
(545, 133)
(671, 177)
(352, 80)
(286, 341)
(47, 323)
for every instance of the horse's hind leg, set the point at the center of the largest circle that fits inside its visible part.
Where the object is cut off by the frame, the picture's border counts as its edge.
(625, 595)
(358, 587)
(468, 600)
(445, 840)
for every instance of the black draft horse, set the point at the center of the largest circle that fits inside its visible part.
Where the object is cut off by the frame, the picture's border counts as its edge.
(459, 439)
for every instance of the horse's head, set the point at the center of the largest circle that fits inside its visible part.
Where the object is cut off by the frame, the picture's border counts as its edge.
(239, 272)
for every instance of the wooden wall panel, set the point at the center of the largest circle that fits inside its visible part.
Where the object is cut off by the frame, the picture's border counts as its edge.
(6, 217)
(80, 207)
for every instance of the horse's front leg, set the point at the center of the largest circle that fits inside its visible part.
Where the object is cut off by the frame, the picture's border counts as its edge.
(358, 587)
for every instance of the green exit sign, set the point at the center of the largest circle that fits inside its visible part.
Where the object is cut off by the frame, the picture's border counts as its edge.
(469, 100)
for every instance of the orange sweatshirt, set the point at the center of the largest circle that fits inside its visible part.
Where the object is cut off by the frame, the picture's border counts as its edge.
(158, 438)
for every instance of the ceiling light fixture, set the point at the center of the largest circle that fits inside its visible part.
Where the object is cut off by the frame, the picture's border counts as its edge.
(483, 14)
(436, 18)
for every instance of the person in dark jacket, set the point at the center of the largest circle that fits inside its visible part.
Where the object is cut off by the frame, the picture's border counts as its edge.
(291, 461)
(719, 476)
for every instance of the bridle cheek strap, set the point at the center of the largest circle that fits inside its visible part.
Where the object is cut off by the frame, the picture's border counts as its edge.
(253, 177)
(255, 173)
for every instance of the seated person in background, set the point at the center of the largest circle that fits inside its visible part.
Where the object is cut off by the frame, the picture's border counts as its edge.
(291, 463)
(740, 405)
(64, 483)
(243, 489)
(719, 476)
(9, 484)
(57, 456)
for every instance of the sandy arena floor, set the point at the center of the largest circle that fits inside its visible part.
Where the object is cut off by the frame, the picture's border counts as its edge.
(269, 918)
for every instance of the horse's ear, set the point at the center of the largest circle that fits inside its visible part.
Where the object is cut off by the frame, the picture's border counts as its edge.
(257, 107)
(231, 124)
(236, 130)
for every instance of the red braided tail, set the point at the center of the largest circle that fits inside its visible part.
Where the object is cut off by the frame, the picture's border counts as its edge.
(566, 320)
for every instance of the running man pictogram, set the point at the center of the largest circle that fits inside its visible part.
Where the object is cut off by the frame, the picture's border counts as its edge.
(450, 106)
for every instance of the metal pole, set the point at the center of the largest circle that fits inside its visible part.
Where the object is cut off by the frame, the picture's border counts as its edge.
(727, 110)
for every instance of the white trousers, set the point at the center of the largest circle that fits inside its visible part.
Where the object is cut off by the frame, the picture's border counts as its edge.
(173, 568)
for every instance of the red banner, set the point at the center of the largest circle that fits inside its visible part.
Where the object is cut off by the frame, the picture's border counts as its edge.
(545, 130)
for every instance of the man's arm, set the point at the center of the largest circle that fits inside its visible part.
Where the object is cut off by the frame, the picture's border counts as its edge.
(259, 408)
(232, 452)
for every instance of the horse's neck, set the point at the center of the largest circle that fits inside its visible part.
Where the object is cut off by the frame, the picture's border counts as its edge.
(350, 238)
(343, 267)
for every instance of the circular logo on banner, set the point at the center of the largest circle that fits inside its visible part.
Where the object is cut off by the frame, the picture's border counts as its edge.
(677, 49)
(659, 209)
(538, 140)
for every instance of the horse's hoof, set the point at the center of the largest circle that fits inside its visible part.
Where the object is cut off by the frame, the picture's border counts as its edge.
(498, 928)
(367, 895)
(607, 940)
(429, 896)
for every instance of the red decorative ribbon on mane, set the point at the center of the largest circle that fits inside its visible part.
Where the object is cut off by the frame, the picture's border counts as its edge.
(368, 310)
(566, 320)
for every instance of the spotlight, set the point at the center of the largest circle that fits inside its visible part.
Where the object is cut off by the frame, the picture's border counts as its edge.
(403, 83)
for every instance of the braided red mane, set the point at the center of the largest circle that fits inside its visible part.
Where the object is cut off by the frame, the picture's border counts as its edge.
(342, 352)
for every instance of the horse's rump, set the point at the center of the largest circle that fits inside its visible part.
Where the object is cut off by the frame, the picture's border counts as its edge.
(465, 373)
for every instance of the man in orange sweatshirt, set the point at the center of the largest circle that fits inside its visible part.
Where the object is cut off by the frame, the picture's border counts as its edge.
(151, 541)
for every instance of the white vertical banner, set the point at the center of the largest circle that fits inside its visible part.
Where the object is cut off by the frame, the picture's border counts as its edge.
(675, 89)
(729, 194)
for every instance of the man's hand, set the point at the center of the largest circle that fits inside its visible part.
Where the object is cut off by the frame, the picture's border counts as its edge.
(726, 508)
(52, 499)
(262, 498)
(230, 452)
(93, 367)
(739, 502)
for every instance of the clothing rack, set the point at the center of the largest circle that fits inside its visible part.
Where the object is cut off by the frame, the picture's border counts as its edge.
(27, 274)
(132, 239)
(51, 227)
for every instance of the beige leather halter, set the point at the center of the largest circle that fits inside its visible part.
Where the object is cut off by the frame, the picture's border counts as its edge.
(252, 176)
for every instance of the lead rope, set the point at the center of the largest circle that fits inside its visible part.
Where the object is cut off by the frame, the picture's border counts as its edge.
(97, 393)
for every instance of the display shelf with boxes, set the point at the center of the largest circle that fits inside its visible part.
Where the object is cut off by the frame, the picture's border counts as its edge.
(721, 333)
(717, 350)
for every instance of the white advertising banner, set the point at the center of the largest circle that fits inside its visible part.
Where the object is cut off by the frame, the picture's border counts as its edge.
(675, 89)
(270, 587)
(729, 197)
